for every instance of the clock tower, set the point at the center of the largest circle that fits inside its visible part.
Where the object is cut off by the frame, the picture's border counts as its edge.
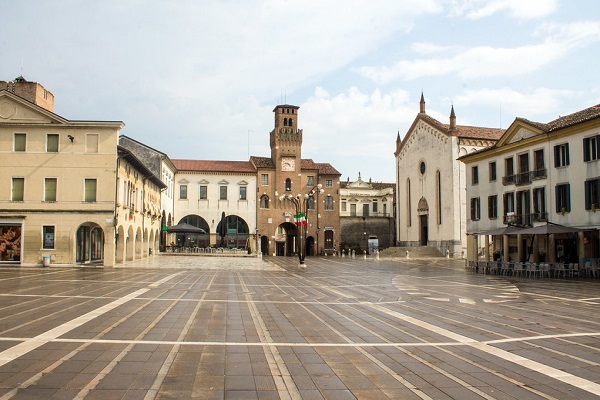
(286, 139)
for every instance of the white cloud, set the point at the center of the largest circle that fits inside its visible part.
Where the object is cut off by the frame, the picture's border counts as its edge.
(356, 129)
(487, 61)
(520, 9)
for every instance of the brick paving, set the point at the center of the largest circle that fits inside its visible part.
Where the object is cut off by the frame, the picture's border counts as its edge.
(185, 327)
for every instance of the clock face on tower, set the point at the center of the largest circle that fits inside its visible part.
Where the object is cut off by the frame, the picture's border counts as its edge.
(288, 164)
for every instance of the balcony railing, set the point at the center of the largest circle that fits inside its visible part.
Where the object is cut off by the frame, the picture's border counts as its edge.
(540, 173)
(523, 178)
(525, 219)
(509, 180)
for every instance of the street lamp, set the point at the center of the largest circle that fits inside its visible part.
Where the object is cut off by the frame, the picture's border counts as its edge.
(300, 218)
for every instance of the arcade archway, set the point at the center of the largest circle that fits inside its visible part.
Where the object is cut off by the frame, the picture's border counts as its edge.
(89, 243)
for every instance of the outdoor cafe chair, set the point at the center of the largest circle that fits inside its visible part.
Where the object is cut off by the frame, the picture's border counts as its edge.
(532, 269)
(544, 270)
(560, 271)
(590, 269)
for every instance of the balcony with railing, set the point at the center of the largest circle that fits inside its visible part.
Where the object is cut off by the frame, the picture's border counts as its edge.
(525, 178)
(509, 180)
(525, 220)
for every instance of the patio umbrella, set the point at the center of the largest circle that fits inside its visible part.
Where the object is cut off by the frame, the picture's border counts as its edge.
(506, 230)
(184, 228)
(548, 229)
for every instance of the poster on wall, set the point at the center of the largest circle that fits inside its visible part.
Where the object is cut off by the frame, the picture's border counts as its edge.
(10, 243)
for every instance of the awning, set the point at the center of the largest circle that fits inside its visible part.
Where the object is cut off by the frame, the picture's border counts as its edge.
(548, 229)
(185, 228)
(506, 230)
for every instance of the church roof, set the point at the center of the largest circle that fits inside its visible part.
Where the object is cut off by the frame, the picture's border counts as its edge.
(214, 166)
(262, 162)
(464, 131)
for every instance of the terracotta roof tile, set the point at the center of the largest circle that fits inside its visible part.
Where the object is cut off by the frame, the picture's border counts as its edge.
(465, 131)
(575, 118)
(262, 162)
(327, 169)
(214, 166)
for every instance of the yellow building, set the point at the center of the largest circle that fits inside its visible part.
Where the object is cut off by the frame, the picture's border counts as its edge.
(57, 182)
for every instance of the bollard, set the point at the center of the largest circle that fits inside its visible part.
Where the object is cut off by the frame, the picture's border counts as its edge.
(353, 254)
(407, 254)
(365, 254)
(447, 253)
(343, 254)
(377, 254)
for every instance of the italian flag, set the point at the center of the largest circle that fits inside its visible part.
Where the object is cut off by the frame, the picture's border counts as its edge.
(300, 220)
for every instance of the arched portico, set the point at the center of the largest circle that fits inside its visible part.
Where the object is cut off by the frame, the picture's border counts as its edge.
(120, 245)
(129, 244)
(286, 238)
(194, 239)
(237, 232)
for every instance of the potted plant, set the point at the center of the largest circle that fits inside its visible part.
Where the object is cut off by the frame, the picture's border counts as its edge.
(563, 210)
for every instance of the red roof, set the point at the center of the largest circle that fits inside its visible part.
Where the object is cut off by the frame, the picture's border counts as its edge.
(214, 166)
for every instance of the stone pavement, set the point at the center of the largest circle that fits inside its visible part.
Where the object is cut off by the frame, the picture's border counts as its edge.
(203, 328)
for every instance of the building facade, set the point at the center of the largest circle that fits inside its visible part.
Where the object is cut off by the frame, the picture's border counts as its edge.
(208, 190)
(137, 209)
(537, 174)
(160, 165)
(286, 172)
(367, 212)
(58, 185)
(430, 181)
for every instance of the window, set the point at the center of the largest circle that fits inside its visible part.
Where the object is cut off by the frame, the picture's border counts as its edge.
(344, 205)
(288, 185)
(563, 198)
(311, 203)
(493, 207)
(48, 237)
(592, 191)
(310, 181)
(538, 157)
(264, 179)
(492, 171)
(475, 211)
(475, 175)
(523, 207)
(243, 192)
(591, 148)
(91, 143)
(509, 203)
(20, 141)
(18, 189)
(408, 203)
(539, 204)
(561, 155)
(50, 189)
(328, 183)
(203, 192)
(375, 206)
(328, 203)
(90, 185)
(222, 192)
(183, 192)
(52, 143)
(264, 201)
(353, 210)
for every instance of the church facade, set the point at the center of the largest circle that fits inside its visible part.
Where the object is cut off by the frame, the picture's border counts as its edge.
(430, 181)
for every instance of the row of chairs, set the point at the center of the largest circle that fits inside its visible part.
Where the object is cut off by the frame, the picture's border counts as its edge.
(533, 270)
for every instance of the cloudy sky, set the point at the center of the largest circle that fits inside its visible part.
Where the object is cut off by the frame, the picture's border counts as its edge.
(199, 79)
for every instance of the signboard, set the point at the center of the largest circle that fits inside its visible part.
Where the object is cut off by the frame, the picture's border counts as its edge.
(10, 243)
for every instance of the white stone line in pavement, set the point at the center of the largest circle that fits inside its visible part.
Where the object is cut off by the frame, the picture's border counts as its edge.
(165, 279)
(286, 388)
(33, 343)
(562, 376)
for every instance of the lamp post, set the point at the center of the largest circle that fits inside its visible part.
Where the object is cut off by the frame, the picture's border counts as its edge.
(300, 218)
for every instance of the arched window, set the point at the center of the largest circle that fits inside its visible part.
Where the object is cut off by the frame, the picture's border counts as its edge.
(264, 201)
(328, 203)
(408, 206)
(285, 122)
(288, 185)
(438, 183)
(311, 203)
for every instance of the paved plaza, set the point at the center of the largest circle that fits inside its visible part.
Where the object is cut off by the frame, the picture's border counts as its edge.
(185, 327)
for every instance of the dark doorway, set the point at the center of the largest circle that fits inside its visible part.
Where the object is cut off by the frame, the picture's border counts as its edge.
(310, 246)
(264, 245)
(424, 230)
(280, 247)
